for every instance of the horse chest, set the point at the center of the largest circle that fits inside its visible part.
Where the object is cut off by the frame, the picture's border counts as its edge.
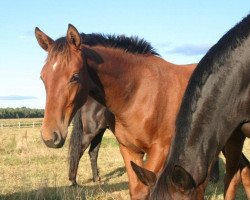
(135, 139)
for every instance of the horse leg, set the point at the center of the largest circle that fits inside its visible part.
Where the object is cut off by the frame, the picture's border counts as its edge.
(215, 172)
(93, 154)
(232, 152)
(75, 157)
(244, 164)
(136, 188)
(245, 174)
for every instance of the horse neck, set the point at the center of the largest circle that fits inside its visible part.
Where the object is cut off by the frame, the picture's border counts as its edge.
(116, 78)
(220, 109)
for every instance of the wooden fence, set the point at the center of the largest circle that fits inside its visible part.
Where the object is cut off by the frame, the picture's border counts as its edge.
(21, 125)
(33, 124)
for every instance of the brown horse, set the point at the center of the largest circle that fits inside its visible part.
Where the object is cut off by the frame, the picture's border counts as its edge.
(90, 122)
(214, 115)
(141, 89)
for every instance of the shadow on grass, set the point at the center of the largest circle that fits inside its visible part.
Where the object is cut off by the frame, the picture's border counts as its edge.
(80, 192)
(117, 172)
(66, 192)
(113, 174)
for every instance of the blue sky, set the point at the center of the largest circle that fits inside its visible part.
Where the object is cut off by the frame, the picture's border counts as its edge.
(181, 31)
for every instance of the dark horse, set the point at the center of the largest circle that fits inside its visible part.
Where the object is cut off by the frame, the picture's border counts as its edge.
(89, 125)
(214, 116)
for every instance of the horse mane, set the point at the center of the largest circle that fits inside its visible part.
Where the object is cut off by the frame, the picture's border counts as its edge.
(131, 44)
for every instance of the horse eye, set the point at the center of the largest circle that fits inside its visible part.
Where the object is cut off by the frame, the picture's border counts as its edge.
(75, 78)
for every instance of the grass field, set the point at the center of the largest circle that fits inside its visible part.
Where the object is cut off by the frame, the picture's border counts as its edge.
(30, 170)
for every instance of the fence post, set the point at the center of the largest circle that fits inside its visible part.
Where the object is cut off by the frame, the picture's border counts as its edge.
(19, 124)
(33, 124)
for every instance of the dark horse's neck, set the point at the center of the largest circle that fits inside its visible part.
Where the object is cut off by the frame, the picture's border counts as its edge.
(215, 103)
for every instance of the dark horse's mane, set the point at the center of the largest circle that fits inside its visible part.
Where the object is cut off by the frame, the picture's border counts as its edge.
(129, 44)
(209, 64)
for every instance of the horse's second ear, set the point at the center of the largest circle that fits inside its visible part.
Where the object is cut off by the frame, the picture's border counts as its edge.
(182, 179)
(146, 177)
(73, 37)
(43, 40)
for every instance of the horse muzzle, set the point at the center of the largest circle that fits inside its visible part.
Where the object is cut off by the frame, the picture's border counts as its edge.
(56, 141)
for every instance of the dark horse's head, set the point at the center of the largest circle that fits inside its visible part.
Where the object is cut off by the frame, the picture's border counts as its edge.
(66, 82)
(180, 186)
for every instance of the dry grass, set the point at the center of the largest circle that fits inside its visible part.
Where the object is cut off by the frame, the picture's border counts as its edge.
(30, 170)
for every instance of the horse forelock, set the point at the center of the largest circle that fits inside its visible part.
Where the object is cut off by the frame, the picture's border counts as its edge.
(59, 52)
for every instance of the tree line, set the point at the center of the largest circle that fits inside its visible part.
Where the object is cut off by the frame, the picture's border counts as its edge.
(23, 112)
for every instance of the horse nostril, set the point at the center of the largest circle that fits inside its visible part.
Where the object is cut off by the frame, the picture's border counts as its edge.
(57, 138)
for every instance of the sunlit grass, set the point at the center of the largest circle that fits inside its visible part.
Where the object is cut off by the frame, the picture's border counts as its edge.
(30, 170)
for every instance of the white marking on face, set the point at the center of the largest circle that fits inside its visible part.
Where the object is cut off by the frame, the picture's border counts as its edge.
(54, 66)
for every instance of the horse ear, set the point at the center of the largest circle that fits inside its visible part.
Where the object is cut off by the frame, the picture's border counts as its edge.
(182, 179)
(92, 56)
(145, 176)
(43, 40)
(73, 37)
